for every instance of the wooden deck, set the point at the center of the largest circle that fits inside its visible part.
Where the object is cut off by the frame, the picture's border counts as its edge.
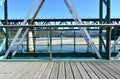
(59, 70)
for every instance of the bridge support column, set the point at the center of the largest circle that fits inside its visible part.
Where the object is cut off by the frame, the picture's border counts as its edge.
(108, 34)
(6, 22)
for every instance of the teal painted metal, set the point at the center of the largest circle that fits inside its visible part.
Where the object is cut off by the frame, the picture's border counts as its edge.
(101, 42)
(22, 47)
(6, 21)
(73, 44)
(88, 46)
(58, 55)
(74, 25)
(105, 2)
(2, 44)
(108, 40)
(37, 55)
(108, 29)
(1, 57)
(102, 21)
(100, 31)
(57, 60)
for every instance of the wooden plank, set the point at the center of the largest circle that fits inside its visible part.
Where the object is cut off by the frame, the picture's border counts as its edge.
(24, 71)
(89, 71)
(3, 76)
(108, 75)
(41, 71)
(116, 66)
(54, 73)
(82, 71)
(96, 71)
(33, 71)
(47, 72)
(59, 70)
(61, 74)
(69, 74)
(76, 72)
(117, 63)
(8, 70)
(109, 71)
(3, 64)
(15, 70)
(4, 67)
(14, 67)
(113, 68)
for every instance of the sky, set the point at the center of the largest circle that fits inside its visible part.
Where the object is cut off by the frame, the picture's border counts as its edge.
(57, 9)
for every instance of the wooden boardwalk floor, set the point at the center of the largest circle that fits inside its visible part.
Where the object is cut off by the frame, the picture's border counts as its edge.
(59, 70)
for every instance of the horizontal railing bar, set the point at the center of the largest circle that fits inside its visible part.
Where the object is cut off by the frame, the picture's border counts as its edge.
(78, 25)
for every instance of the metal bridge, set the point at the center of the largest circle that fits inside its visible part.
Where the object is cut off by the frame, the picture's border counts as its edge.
(59, 21)
(27, 42)
(55, 24)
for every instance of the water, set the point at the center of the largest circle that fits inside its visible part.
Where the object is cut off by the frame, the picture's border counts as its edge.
(64, 46)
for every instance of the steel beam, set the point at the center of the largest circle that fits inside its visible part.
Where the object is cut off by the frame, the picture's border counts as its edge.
(101, 21)
(50, 43)
(105, 2)
(18, 32)
(6, 22)
(57, 21)
(76, 25)
(108, 29)
(108, 34)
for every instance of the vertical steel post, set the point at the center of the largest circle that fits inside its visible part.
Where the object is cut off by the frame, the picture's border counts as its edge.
(27, 43)
(22, 47)
(61, 41)
(88, 46)
(100, 29)
(50, 43)
(48, 36)
(6, 22)
(74, 41)
(34, 38)
(108, 34)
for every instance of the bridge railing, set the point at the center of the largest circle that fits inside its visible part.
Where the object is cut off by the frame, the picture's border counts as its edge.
(64, 33)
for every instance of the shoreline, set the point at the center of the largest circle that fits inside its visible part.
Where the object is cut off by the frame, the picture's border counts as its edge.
(65, 40)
